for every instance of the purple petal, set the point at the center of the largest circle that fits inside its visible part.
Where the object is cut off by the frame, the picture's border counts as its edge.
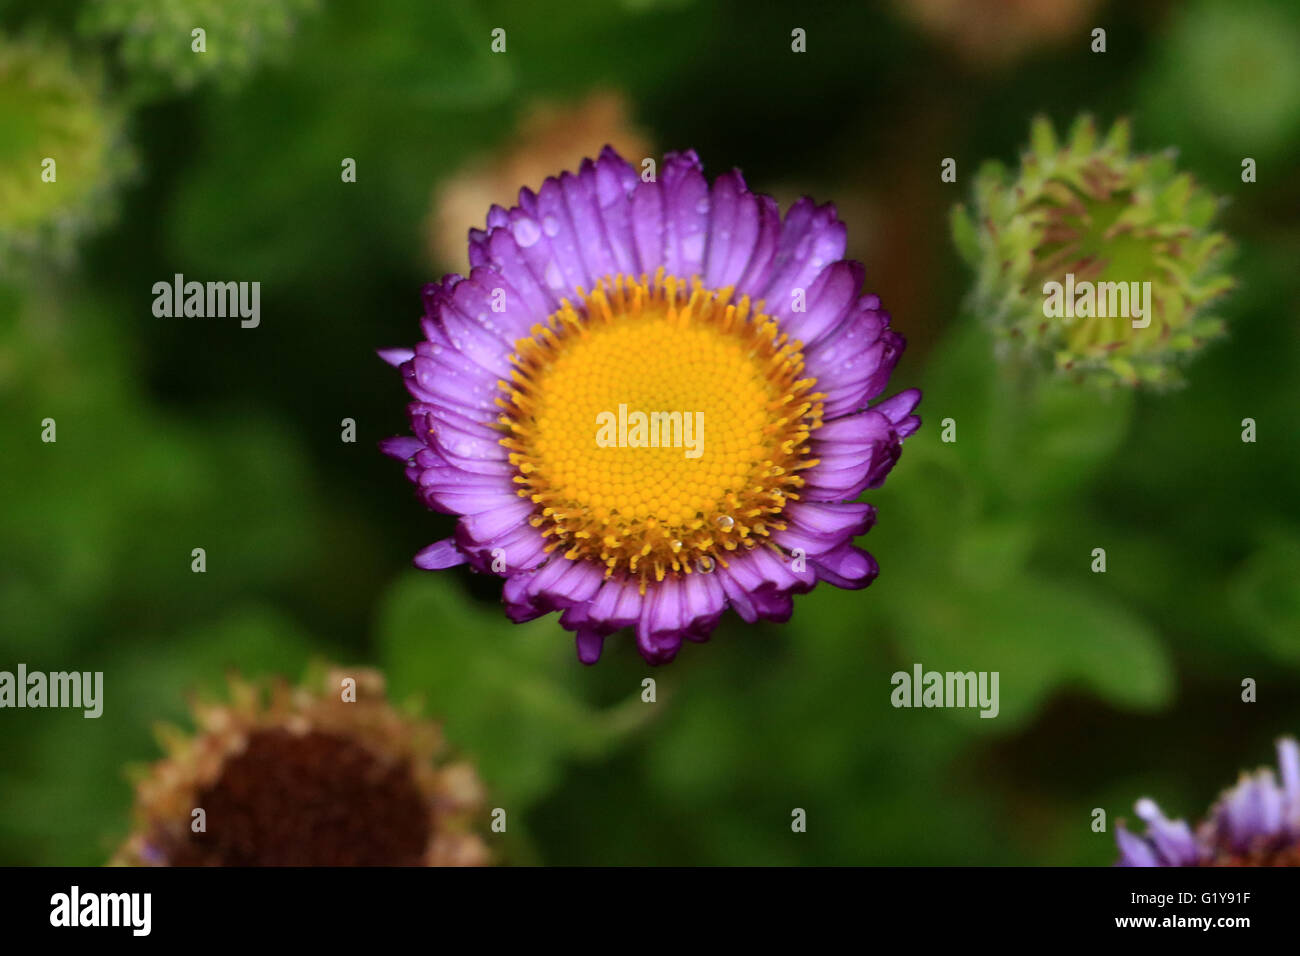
(1173, 838)
(686, 214)
(812, 237)
(439, 555)
(403, 448)
(395, 356)
(1134, 851)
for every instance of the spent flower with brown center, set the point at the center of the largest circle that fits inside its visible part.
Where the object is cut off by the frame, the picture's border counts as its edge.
(325, 774)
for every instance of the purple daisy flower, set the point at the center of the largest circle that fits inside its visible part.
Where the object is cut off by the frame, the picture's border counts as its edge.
(1256, 823)
(649, 402)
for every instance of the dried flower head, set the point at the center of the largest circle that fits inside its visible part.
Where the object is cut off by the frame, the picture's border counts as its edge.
(326, 774)
(996, 32)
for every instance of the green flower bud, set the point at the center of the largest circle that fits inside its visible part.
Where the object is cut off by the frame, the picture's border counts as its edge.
(1092, 258)
(61, 150)
(178, 43)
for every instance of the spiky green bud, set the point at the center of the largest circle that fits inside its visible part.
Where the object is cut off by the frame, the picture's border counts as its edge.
(1090, 215)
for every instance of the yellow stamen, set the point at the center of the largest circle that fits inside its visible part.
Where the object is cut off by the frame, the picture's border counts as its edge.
(658, 346)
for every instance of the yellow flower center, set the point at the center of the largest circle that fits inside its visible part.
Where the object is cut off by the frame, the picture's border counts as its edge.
(656, 427)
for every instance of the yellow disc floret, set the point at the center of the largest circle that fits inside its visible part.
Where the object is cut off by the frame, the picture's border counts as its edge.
(657, 427)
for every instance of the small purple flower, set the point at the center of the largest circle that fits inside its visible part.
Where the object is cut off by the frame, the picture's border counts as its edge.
(1256, 823)
(649, 402)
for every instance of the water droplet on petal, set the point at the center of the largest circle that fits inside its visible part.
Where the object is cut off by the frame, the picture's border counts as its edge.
(704, 564)
(726, 522)
(526, 232)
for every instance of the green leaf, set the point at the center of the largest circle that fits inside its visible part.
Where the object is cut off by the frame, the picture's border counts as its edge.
(1067, 434)
(1039, 637)
(508, 694)
(1265, 596)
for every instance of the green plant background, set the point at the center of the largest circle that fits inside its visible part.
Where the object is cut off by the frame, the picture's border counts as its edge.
(176, 434)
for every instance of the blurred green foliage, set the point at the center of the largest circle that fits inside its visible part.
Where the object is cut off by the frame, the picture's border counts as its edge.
(158, 39)
(177, 434)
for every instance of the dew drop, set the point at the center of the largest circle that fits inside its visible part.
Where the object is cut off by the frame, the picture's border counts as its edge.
(704, 564)
(526, 232)
(726, 522)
